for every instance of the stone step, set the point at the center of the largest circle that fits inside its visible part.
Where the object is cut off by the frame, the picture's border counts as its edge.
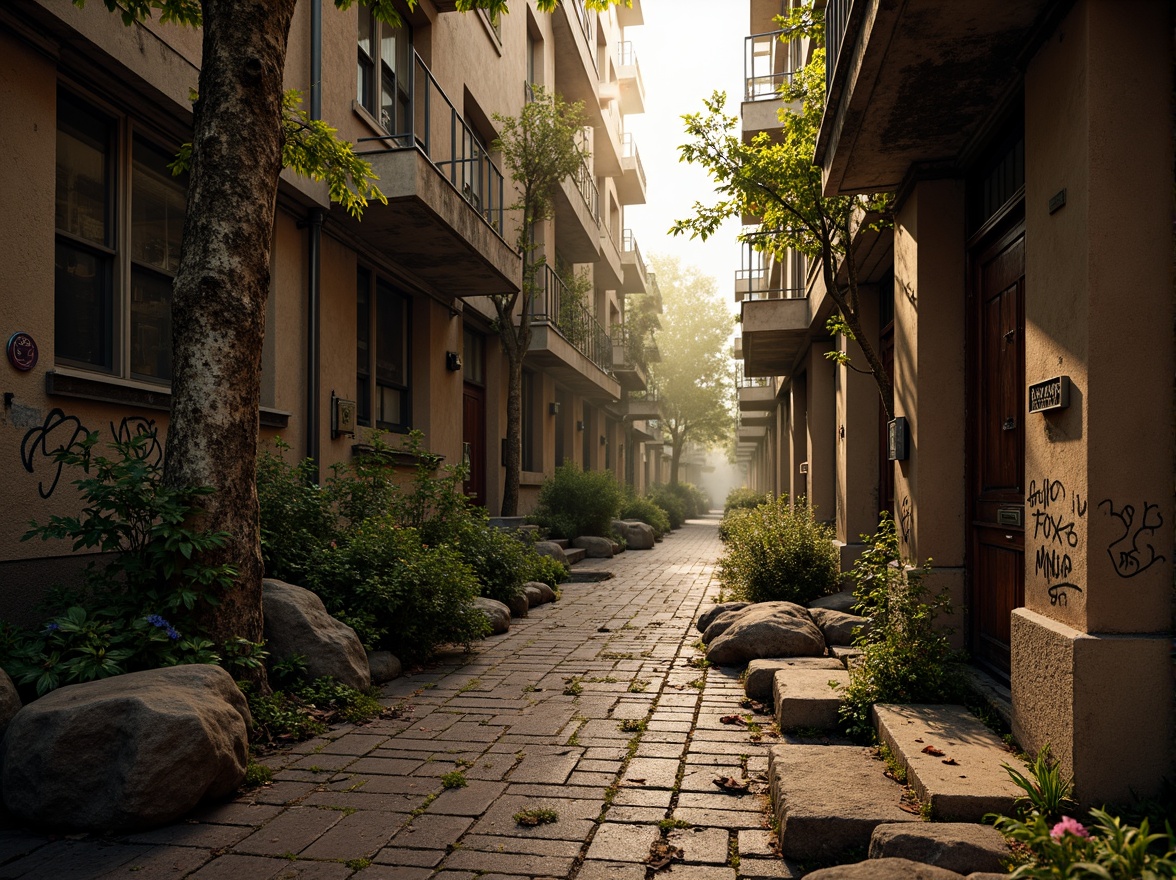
(589, 575)
(952, 761)
(574, 554)
(564, 543)
(761, 674)
(829, 798)
(803, 697)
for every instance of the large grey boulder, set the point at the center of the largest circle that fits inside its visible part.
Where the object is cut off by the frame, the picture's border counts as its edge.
(962, 847)
(765, 629)
(884, 869)
(496, 612)
(126, 753)
(594, 547)
(708, 617)
(552, 549)
(843, 600)
(546, 594)
(384, 666)
(297, 622)
(837, 627)
(637, 535)
(518, 604)
(9, 701)
(720, 623)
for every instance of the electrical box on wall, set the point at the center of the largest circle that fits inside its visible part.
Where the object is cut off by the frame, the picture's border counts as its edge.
(342, 417)
(897, 439)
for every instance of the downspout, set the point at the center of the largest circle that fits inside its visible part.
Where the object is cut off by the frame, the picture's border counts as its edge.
(314, 252)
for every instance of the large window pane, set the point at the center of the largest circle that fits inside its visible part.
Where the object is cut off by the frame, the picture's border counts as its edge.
(363, 335)
(83, 307)
(157, 209)
(366, 86)
(392, 356)
(151, 333)
(84, 172)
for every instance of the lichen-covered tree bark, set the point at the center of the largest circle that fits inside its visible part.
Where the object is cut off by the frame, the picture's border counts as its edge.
(218, 304)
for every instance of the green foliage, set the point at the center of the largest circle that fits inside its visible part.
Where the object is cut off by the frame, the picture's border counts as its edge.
(778, 552)
(257, 775)
(536, 816)
(669, 501)
(454, 779)
(137, 606)
(906, 656)
(305, 709)
(1047, 791)
(575, 502)
(647, 511)
(547, 570)
(744, 498)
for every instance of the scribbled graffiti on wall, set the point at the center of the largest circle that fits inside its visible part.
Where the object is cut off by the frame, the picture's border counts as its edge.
(1059, 516)
(906, 520)
(41, 446)
(1133, 552)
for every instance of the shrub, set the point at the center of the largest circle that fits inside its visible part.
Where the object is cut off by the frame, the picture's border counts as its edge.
(744, 498)
(500, 561)
(646, 511)
(575, 502)
(398, 594)
(670, 502)
(906, 657)
(546, 569)
(778, 552)
(298, 518)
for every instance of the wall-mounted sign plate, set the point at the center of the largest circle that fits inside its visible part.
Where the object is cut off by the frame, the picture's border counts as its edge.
(342, 417)
(22, 351)
(897, 439)
(1049, 395)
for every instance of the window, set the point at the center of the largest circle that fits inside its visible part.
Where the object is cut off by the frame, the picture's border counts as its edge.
(385, 311)
(384, 76)
(113, 304)
(528, 420)
(474, 357)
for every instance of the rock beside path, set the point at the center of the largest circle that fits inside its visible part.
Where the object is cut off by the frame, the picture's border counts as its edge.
(596, 548)
(708, 617)
(9, 701)
(840, 601)
(552, 549)
(957, 846)
(884, 869)
(297, 622)
(838, 627)
(637, 535)
(765, 629)
(496, 612)
(127, 753)
(384, 666)
(545, 592)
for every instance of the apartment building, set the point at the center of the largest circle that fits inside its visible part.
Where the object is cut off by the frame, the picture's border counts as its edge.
(1024, 303)
(374, 326)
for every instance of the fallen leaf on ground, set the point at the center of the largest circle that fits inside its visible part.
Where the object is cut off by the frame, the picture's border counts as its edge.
(734, 719)
(919, 740)
(909, 808)
(931, 750)
(951, 761)
(730, 783)
(661, 853)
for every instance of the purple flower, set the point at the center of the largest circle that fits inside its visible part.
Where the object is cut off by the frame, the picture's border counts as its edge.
(172, 633)
(157, 621)
(1068, 825)
(52, 627)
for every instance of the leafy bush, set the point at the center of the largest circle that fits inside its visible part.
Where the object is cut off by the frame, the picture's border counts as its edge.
(305, 709)
(575, 502)
(646, 511)
(546, 569)
(499, 560)
(906, 657)
(744, 498)
(670, 502)
(778, 552)
(298, 518)
(398, 594)
(137, 608)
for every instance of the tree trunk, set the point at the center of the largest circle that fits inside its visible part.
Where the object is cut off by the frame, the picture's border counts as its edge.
(218, 304)
(514, 434)
(676, 444)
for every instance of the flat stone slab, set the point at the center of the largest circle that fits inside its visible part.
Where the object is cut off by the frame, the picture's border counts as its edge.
(952, 760)
(962, 847)
(845, 654)
(761, 673)
(884, 869)
(574, 554)
(804, 698)
(829, 799)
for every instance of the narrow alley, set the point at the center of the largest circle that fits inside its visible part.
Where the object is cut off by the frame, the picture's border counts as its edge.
(591, 708)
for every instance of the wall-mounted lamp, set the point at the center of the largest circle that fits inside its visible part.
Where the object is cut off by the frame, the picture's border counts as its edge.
(452, 361)
(553, 408)
(603, 440)
(580, 425)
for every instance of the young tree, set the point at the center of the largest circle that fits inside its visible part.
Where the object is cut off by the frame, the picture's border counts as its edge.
(540, 148)
(244, 132)
(776, 180)
(694, 375)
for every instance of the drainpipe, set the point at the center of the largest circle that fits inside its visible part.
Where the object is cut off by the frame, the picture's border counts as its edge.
(314, 252)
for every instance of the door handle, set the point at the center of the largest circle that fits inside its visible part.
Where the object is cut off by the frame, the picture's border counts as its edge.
(1009, 424)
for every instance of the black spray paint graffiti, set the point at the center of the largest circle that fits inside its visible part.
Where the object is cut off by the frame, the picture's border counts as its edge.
(1132, 552)
(137, 426)
(1057, 519)
(906, 520)
(58, 433)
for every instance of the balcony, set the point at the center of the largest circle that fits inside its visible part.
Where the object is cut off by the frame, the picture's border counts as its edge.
(628, 360)
(644, 405)
(751, 432)
(959, 59)
(577, 217)
(629, 76)
(631, 183)
(756, 393)
(636, 277)
(654, 297)
(444, 221)
(737, 348)
(629, 16)
(606, 143)
(568, 342)
(609, 270)
(774, 332)
(768, 67)
(767, 274)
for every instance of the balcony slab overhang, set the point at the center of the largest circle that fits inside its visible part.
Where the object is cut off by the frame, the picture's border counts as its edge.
(630, 16)
(914, 82)
(609, 272)
(763, 117)
(757, 417)
(757, 398)
(631, 183)
(638, 409)
(631, 88)
(552, 353)
(635, 280)
(430, 230)
(774, 331)
(752, 432)
(631, 376)
(577, 233)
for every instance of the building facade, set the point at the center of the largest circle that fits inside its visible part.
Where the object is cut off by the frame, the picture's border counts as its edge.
(1024, 302)
(376, 326)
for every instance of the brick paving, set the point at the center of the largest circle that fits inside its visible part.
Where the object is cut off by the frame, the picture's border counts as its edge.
(592, 707)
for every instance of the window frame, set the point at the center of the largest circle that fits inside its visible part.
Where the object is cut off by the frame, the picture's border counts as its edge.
(370, 284)
(371, 89)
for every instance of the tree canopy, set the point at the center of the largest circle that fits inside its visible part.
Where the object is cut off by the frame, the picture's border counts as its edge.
(694, 375)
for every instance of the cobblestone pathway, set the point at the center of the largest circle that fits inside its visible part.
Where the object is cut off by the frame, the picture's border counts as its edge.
(590, 707)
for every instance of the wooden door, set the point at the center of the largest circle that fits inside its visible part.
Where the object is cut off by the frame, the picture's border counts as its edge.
(997, 444)
(474, 437)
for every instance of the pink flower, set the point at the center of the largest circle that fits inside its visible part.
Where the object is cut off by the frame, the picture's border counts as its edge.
(1068, 825)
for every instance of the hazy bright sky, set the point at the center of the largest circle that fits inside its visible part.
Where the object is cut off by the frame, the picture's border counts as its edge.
(686, 49)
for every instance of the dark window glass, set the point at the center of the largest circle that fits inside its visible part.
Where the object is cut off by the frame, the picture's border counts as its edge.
(83, 306)
(366, 85)
(392, 403)
(474, 358)
(363, 335)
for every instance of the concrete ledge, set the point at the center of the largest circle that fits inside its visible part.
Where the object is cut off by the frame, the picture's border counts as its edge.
(761, 674)
(952, 760)
(804, 697)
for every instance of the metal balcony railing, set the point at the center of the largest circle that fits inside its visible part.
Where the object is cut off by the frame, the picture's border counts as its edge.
(629, 246)
(742, 381)
(587, 26)
(626, 54)
(629, 151)
(554, 304)
(586, 184)
(632, 345)
(437, 129)
(768, 64)
(836, 22)
(758, 278)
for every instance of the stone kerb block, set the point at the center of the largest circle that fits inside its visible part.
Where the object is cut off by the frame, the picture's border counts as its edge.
(957, 846)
